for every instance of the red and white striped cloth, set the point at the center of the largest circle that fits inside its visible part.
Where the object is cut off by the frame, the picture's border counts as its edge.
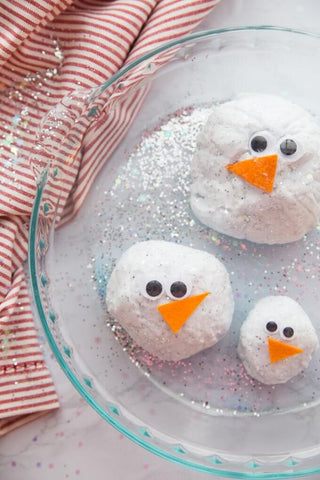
(49, 48)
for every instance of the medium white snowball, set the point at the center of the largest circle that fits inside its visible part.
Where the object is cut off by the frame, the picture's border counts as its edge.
(283, 320)
(167, 263)
(228, 203)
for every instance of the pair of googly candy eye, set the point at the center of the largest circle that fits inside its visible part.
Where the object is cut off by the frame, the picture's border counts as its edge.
(156, 287)
(175, 301)
(264, 143)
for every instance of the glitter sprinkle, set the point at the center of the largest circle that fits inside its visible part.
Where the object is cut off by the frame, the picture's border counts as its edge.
(58, 53)
(15, 120)
(8, 140)
(142, 198)
(215, 240)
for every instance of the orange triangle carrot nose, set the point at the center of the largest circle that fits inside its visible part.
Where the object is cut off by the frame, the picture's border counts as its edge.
(280, 351)
(176, 313)
(260, 171)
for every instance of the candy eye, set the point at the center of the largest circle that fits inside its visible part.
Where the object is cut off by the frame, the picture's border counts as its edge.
(258, 143)
(178, 290)
(153, 289)
(261, 143)
(288, 147)
(288, 332)
(271, 327)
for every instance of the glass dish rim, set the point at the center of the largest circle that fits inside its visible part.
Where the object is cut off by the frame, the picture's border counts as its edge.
(35, 286)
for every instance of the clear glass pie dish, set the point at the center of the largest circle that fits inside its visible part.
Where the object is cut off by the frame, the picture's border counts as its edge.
(204, 412)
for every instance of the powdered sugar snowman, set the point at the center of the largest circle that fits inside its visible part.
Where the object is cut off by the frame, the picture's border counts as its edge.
(173, 300)
(277, 340)
(256, 170)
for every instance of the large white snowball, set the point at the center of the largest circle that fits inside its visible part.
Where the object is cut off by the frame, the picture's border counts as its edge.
(167, 263)
(253, 347)
(231, 205)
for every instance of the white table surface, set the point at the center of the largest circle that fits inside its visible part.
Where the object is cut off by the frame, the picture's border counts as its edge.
(74, 442)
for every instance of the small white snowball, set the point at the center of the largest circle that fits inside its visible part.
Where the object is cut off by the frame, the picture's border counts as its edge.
(129, 303)
(275, 317)
(228, 203)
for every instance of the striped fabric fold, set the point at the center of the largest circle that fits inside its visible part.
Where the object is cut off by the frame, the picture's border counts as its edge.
(19, 18)
(48, 49)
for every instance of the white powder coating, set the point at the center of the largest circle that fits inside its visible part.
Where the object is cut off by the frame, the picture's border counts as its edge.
(230, 205)
(253, 345)
(168, 262)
